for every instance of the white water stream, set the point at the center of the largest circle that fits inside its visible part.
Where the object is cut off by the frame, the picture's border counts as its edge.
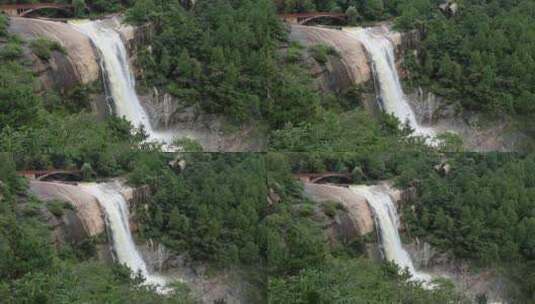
(115, 208)
(116, 67)
(394, 101)
(387, 218)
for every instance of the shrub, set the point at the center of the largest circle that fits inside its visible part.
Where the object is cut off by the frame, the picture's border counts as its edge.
(43, 48)
(188, 145)
(57, 208)
(10, 51)
(322, 52)
(329, 208)
(295, 52)
(79, 7)
(3, 25)
(306, 210)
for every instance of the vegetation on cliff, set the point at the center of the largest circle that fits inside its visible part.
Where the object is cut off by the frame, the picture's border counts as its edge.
(228, 57)
(54, 130)
(225, 56)
(32, 270)
(211, 210)
(483, 211)
(303, 268)
(481, 56)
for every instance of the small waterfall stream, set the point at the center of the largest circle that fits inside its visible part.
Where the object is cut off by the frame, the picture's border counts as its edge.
(394, 101)
(387, 218)
(116, 210)
(121, 81)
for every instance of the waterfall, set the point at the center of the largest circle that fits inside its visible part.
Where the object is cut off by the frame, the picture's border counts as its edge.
(381, 51)
(120, 79)
(387, 218)
(115, 208)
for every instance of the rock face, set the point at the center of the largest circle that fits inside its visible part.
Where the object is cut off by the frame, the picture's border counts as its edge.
(136, 197)
(210, 130)
(467, 280)
(63, 71)
(84, 221)
(356, 222)
(338, 73)
(353, 66)
(478, 133)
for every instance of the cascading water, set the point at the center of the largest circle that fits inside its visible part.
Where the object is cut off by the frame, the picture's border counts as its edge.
(394, 101)
(116, 209)
(388, 220)
(120, 78)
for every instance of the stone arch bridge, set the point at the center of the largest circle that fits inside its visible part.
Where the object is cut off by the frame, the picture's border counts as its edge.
(53, 175)
(304, 18)
(23, 10)
(316, 178)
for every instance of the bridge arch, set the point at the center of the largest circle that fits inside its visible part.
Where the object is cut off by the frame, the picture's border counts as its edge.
(63, 9)
(319, 17)
(304, 18)
(316, 178)
(23, 10)
(61, 176)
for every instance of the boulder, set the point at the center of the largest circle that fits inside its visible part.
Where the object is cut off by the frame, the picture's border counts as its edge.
(449, 8)
(339, 73)
(273, 197)
(356, 222)
(79, 64)
(84, 221)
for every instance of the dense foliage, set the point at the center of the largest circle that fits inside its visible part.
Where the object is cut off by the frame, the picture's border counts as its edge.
(211, 210)
(223, 57)
(363, 10)
(232, 57)
(32, 270)
(81, 6)
(303, 268)
(53, 130)
(481, 56)
(359, 280)
(483, 211)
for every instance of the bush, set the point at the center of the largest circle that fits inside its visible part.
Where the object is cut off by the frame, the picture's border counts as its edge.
(43, 48)
(188, 145)
(106, 6)
(79, 7)
(3, 25)
(295, 52)
(322, 52)
(57, 208)
(330, 208)
(10, 51)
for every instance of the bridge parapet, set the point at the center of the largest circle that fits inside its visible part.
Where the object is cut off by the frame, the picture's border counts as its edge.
(318, 177)
(21, 10)
(303, 18)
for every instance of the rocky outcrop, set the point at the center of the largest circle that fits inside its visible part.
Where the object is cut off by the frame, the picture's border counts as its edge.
(211, 131)
(353, 66)
(135, 38)
(479, 134)
(138, 199)
(85, 220)
(356, 222)
(79, 64)
(469, 281)
(337, 74)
